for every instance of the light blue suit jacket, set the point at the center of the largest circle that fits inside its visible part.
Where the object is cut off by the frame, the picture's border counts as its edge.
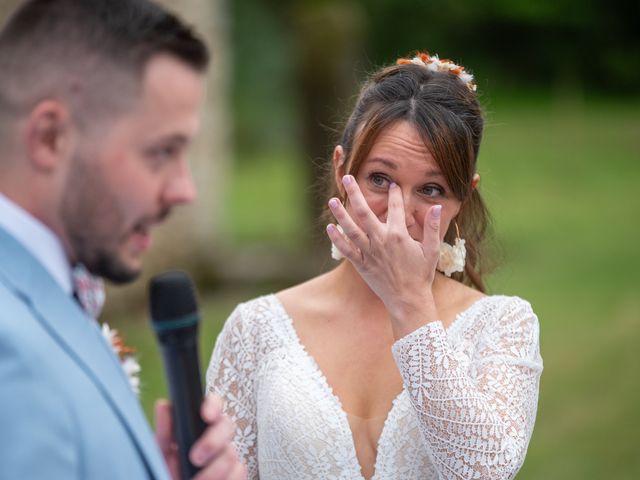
(66, 408)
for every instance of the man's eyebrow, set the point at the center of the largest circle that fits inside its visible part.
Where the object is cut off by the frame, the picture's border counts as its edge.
(177, 138)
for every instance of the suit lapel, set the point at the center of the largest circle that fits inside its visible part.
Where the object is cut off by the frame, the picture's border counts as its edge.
(80, 337)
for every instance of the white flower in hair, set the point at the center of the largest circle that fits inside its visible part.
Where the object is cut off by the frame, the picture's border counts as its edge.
(452, 258)
(466, 77)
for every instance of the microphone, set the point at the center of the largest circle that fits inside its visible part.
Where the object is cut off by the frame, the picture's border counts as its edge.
(174, 316)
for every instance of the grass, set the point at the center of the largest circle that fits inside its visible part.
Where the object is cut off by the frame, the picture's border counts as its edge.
(560, 180)
(562, 185)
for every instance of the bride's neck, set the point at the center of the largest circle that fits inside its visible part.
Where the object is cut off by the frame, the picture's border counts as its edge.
(346, 282)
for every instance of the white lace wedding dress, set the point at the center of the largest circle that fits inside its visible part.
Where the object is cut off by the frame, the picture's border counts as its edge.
(466, 411)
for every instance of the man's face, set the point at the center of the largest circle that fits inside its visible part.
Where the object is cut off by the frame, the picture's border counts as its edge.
(127, 178)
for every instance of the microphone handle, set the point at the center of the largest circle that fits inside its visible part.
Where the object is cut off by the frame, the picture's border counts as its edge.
(182, 366)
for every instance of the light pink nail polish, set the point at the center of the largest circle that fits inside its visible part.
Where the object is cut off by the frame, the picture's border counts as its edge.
(436, 211)
(347, 179)
(333, 203)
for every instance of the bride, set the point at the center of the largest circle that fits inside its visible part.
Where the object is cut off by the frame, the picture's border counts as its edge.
(395, 364)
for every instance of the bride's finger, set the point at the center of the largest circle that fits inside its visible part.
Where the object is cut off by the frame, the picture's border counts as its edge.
(395, 209)
(351, 229)
(362, 213)
(342, 243)
(431, 230)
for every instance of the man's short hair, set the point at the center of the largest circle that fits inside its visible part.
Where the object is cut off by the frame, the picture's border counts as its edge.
(91, 53)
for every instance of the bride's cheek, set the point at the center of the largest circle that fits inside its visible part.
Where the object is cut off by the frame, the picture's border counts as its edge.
(378, 204)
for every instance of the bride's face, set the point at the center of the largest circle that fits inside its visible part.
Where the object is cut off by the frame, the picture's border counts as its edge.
(399, 155)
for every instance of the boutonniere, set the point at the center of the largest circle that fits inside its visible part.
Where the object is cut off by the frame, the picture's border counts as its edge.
(126, 355)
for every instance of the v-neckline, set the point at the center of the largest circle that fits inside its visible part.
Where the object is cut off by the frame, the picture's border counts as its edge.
(328, 390)
(329, 393)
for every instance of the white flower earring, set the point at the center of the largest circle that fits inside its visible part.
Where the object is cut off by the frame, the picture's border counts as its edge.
(452, 258)
(335, 253)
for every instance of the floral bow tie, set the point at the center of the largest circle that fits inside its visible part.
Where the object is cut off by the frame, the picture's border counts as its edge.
(88, 290)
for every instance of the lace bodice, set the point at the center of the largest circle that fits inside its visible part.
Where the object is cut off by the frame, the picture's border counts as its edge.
(466, 411)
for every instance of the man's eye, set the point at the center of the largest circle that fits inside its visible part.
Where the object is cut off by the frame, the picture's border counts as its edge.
(167, 152)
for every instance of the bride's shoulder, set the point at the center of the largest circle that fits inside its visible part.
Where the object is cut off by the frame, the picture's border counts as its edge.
(494, 309)
(253, 314)
(505, 314)
(506, 306)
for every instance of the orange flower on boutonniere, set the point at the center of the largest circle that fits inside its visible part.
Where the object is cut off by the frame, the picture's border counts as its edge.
(126, 355)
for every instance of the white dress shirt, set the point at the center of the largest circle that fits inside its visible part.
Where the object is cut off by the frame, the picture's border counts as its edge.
(38, 239)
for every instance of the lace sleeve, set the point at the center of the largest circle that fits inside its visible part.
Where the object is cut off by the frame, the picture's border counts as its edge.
(476, 414)
(231, 376)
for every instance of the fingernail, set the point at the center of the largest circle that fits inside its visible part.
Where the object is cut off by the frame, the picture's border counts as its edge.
(331, 228)
(333, 203)
(435, 212)
(347, 179)
(393, 185)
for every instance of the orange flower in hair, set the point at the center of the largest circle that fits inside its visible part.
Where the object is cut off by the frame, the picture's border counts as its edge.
(435, 64)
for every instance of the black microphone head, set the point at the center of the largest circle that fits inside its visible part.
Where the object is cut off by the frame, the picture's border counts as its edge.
(172, 301)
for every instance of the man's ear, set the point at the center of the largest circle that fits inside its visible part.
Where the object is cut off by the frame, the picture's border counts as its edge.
(338, 166)
(48, 135)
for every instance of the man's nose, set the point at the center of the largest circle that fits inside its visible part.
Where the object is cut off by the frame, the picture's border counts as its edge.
(180, 187)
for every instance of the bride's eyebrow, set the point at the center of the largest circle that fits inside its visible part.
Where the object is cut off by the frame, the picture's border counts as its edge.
(393, 166)
(388, 163)
(433, 173)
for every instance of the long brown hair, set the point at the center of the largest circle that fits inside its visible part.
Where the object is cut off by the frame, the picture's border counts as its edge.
(449, 118)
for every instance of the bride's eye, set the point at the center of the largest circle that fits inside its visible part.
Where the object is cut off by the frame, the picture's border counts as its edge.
(432, 190)
(379, 180)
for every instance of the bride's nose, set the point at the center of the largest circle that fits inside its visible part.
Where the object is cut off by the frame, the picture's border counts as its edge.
(409, 209)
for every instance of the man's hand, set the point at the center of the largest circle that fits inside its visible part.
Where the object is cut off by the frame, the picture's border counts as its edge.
(213, 452)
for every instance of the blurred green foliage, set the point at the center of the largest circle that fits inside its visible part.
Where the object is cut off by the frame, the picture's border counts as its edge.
(550, 46)
(590, 44)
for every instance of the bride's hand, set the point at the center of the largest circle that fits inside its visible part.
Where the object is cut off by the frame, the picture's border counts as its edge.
(399, 269)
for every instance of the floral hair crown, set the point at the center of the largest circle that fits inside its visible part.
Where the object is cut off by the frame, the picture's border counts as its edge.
(434, 64)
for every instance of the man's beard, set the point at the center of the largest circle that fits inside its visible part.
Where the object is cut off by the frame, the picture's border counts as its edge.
(97, 252)
(94, 222)
(107, 265)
